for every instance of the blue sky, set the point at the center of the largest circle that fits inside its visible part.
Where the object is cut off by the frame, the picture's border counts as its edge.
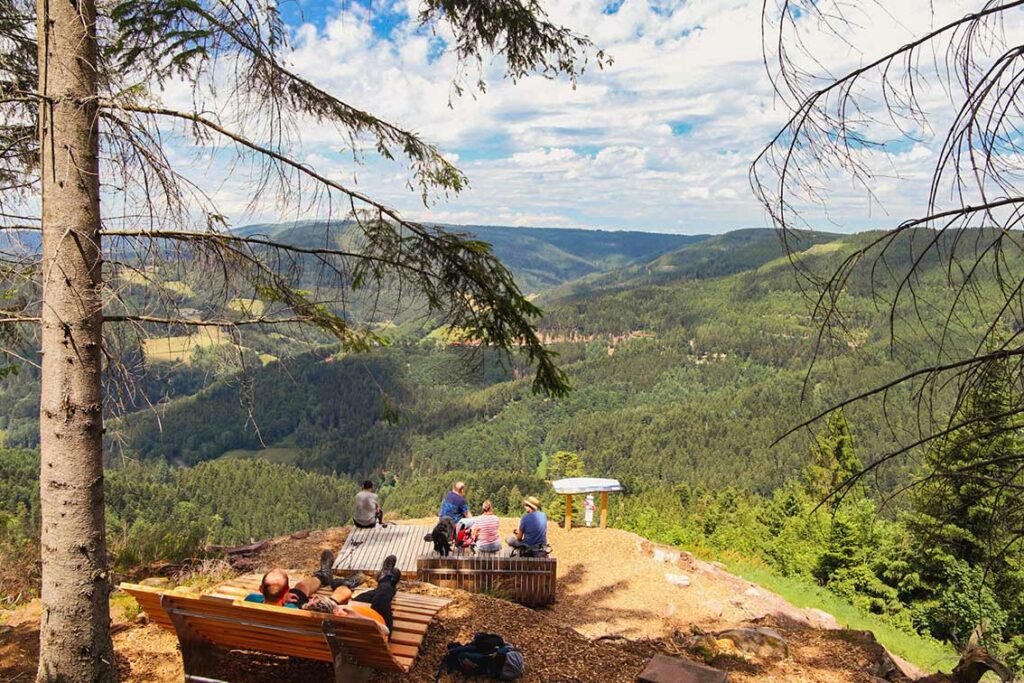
(661, 140)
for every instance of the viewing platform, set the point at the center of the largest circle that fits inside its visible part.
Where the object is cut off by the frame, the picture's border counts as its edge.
(529, 581)
(365, 549)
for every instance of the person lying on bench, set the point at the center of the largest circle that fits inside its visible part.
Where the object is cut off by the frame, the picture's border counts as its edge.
(275, 590)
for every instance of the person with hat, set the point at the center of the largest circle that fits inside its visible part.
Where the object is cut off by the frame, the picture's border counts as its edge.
(533, 526)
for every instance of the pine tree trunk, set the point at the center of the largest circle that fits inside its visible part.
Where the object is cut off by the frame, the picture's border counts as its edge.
(75, 626)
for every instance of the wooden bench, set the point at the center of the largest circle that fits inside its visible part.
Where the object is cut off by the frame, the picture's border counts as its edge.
(529, 581)
(209, 625)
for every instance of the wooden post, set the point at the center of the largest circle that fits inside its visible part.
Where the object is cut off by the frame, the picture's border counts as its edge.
(568, 511)
(604, 509)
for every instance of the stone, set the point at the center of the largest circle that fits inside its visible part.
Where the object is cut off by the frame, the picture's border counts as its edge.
(299, 535)
(821, 619)
(761, 642)
(677, 579)
(666, 555)
(664, 669)
(752, 592)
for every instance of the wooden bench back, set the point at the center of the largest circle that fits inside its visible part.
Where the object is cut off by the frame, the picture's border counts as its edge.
(233, 623)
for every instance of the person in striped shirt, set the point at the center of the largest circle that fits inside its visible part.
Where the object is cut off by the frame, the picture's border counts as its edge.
(485, 530)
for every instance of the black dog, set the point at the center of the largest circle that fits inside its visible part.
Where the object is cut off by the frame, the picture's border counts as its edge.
(442, 536)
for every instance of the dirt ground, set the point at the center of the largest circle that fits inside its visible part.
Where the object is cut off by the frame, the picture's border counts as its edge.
(615, 609)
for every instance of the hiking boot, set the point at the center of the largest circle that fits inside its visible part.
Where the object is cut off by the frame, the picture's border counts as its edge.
(326, 571)
(388, 568)
(350, 582)
(319, 604)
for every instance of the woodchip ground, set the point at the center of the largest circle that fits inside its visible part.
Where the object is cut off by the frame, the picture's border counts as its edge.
(615, 609)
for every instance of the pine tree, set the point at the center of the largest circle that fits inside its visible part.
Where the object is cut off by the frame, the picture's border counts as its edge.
(515, 501)
(565, 464)
(961, 520)
(81, 85)
(831, 474)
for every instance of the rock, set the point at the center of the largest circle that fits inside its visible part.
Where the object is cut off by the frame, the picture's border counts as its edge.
(142, 619)
(821, 619)
(666, 555)
(677, 579)
(752, 592)
(664, 669)
(299, 535)
(156, 582)
(761, 642)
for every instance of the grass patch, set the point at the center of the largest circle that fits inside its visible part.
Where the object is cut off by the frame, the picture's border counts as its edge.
(178, 287)
(926, 653)
(130, 608)
(179, 349)
(251, 307)
(277, 454)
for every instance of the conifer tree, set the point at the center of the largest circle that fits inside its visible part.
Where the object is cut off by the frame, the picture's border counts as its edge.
(832, 473)
(963, 528)
(565, 464)
(515, 501)
(84, 118)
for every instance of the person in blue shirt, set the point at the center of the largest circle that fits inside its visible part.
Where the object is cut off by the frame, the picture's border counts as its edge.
(533, 526)
(454, 504)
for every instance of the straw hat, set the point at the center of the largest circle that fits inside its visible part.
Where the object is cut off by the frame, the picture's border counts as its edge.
(532, 502)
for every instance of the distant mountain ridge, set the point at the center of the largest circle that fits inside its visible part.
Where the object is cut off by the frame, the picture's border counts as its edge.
(710, 257)
(539, 257)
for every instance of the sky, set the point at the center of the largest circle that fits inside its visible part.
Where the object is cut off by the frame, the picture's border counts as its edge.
(661, 140)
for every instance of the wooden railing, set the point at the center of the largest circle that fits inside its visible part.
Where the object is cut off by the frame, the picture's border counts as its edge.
(527, 580)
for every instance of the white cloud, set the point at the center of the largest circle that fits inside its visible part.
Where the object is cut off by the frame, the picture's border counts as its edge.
(662, 139)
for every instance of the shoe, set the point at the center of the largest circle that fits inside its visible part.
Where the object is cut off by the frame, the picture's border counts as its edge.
(350, 582)
(388, 568)
(326, 571)
(325, 605)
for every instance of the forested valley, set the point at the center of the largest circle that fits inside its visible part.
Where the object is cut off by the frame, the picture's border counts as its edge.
(687, 358)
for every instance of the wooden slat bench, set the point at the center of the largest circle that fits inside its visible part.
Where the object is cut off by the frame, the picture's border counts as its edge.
(221, 620)
(527, 580)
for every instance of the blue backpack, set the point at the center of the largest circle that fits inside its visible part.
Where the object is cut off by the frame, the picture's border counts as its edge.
(486, 655)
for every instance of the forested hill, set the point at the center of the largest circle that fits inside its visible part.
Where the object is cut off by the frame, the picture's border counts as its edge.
(686, 380)
(539, 257)
(684, 372)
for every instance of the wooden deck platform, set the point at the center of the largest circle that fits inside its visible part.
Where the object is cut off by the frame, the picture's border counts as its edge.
(365, 549)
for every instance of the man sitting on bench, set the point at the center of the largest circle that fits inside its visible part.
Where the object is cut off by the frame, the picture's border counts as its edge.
(275, 590)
